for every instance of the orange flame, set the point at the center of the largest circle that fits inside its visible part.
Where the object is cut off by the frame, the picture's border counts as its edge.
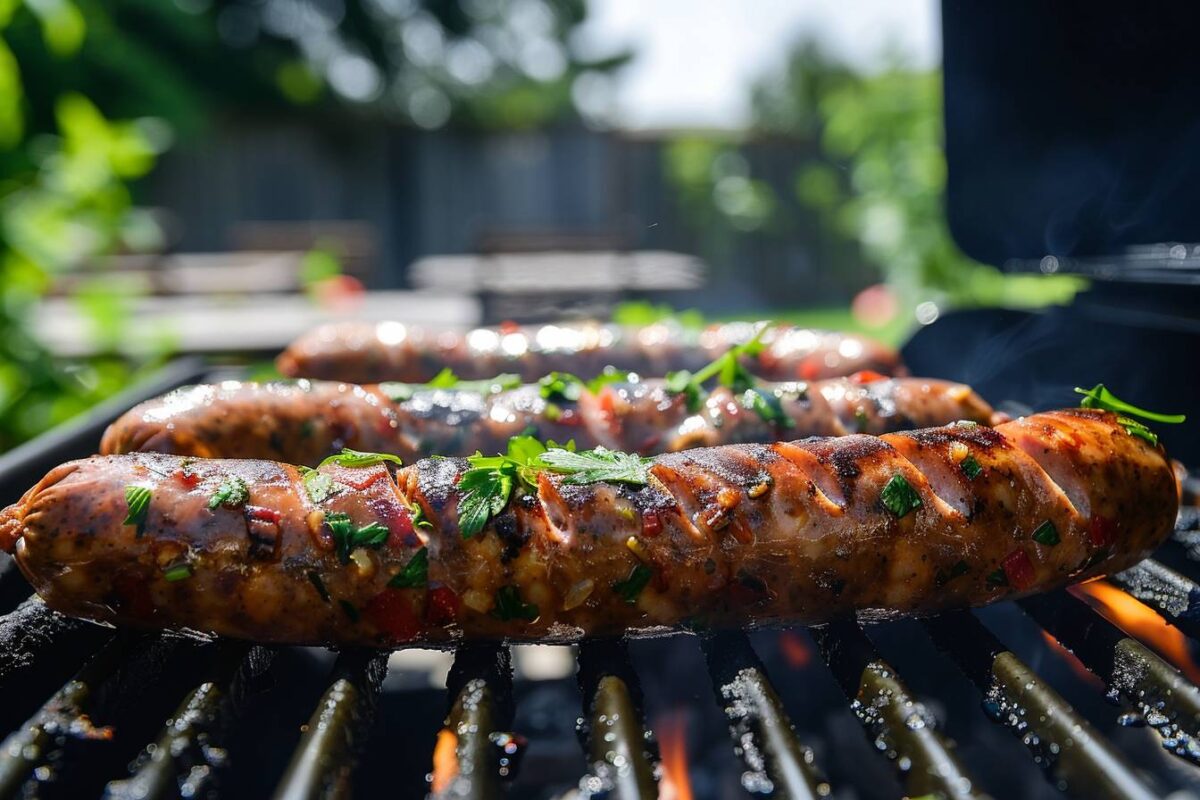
(796, 650)
(1141, 621)
(445, 761)
(672, 734)
(1081, 672)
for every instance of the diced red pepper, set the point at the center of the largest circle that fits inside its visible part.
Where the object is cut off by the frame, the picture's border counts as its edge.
(399, 521)
(651, 524)
(867, 376)
(442, 606)
(392, 612)
(264, 514)
(375, 474)
(570, 417)
(1018, 569)
(607, 401)
(509, 326)
(188, 478)
(810, 370)
(1101, 531)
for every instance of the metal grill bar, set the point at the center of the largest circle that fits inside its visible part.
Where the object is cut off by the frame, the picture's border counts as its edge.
(1166, 700)
(32, 636)
(778, 765)
(185, 759)
(481, 684)
(65, 713)
(1062, 742)
(1169, 593)
(323, 764)
(900, 726)
(614, 733)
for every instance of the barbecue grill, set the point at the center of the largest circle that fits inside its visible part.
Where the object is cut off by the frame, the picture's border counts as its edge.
(90, 711)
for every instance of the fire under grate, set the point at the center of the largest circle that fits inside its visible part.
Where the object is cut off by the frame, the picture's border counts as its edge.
(94, 712)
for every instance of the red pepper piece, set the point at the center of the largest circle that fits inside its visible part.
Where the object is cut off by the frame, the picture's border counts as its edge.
(1102, 531)
(1018, 569)
(392, 612)
(442, 606)
(187, 478)
(264, 514)
(399, 521)
(867, 376)
(810, 370)
(651, 524)
(376, 473)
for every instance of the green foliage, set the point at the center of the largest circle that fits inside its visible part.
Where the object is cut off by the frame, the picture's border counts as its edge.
(881, 176)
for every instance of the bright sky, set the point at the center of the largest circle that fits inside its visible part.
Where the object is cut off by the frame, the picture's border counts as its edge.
(696, 59)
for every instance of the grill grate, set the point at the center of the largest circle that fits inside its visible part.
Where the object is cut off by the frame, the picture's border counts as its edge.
(187, 694)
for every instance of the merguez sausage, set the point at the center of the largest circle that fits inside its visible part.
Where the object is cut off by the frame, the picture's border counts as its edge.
(361, 352)
(305, 421)
(794, 532)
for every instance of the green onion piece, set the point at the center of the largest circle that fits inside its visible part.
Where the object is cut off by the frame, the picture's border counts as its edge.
(415, 574)
(315, 579)
(137, 498)
(632, 586)
(899, 497)
(971, 467)
(509, 605)
(1100, 397)
(346, 538)
(1046, 534)
(320, 487)
(177, 572)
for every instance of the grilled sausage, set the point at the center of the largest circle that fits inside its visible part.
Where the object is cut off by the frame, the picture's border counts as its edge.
(303, 422)
(792, 532)
(359, 352)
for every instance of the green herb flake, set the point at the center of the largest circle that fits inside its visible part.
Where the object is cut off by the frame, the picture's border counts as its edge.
(1046, 534)
(485, 488)
(609, 376)
(631, 587)
(727, 368)
(899, 497)
(768, 405)
(509, 605)
(320, 487)
(177, 572)
(970, 467)
(137, 499)
(415, 574)
(419, 520)
(347, 538)
(357, 458)
(560, 386)
(315, 579)
(997, 578)
(232, 492)
(1100, 397)
(593, 466)
(350, 610)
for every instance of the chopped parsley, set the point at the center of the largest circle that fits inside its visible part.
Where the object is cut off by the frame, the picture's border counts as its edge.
(767, 404)
(509, 605)
(357, 458)
(899, 497)
(320, 487)
(415, 574)
(347, 538)
(728, 370)
(970, 467)
(419, 520)
(177, 572)
(315, 579)
(609, 376)
(1100, 397)
(137, 498)
(1046, 534)
(232, 492)
(560, 386)
(486, 487)
(631, 587)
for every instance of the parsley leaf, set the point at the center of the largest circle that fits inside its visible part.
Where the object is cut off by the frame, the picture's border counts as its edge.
(631, 587)
(177, 572)
(486, 487)
(509, 605)
(727, 368)
(357, 458)
(611, 375)
(415, 573)
(560, 386)
(232, 492)
(899, 497)
(137, 498)
(591, 466)
(346, 537)
(767, 405)
(1046, 534)
(445, 379)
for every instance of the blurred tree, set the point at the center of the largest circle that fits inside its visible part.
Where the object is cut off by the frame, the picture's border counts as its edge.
(881, 175)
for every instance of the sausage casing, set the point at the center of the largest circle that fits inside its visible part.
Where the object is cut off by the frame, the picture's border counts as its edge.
(361, 352)
(305, 421)
(792, 532)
